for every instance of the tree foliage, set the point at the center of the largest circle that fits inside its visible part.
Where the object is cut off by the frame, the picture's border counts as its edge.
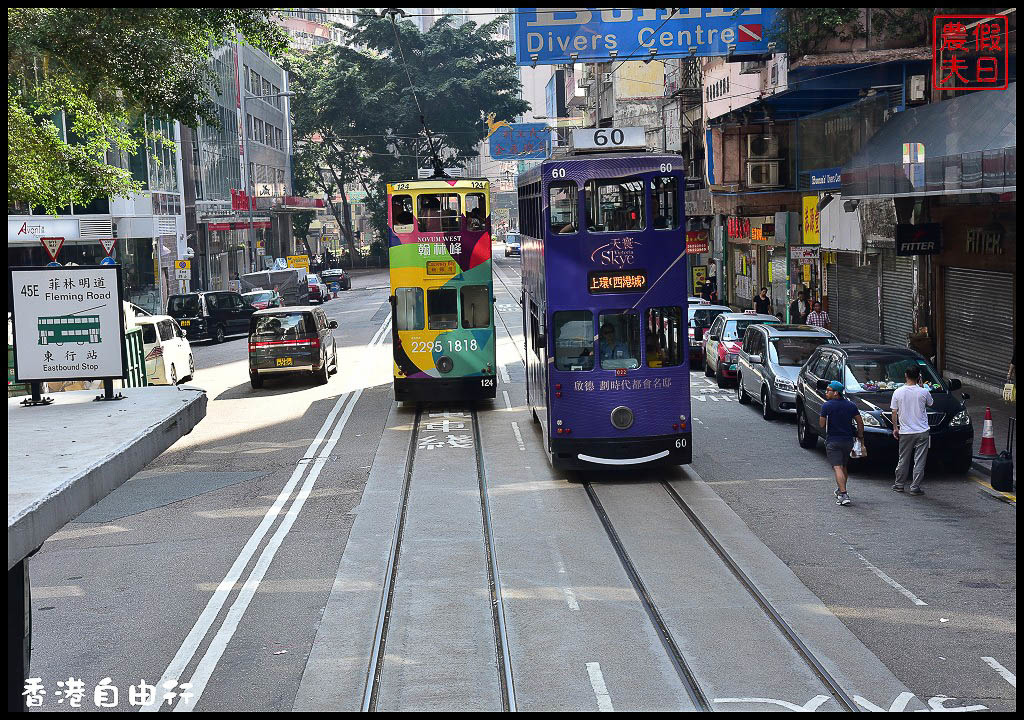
(106, 68)
(357, 118)
(804, 30)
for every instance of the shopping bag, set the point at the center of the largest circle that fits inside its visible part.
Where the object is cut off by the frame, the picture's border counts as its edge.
(859, 450)
(1010, 392)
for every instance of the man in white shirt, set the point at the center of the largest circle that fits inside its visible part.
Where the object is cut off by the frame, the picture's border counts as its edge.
(909, 406)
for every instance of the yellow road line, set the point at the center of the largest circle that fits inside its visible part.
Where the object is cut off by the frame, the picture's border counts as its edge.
(1011, 497)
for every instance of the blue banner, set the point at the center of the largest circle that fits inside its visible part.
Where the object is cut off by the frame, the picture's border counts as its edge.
(828, 179)
(557, 37)
(521, 141)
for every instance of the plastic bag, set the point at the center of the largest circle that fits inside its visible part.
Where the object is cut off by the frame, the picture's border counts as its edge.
(859, 450)
(1010, 392)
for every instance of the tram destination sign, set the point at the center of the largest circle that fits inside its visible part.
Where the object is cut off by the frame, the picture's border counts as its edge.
(546, 36)
(616, 281)
(68, 323)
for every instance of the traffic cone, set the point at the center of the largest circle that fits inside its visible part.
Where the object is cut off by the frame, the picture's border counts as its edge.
(988, 438)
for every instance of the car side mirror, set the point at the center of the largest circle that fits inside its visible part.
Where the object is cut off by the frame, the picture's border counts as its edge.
(822, 385)
(755, 359)
(955, 384)
(716, 337)
(332, 324)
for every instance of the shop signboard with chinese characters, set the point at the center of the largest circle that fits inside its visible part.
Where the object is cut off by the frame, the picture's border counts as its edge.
(811, 220)
(696, 242)
(521, 141)
(970, 52)
(68, 323)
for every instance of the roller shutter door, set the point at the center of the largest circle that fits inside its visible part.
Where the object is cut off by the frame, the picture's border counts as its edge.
(972, 296)
(857, 320)
(897, 298)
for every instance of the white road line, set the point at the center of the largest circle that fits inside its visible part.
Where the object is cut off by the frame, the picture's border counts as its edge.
(888, 580)
(1007, 675)
(504, 373)
(508, 402)
(604, 701)
(519, 436)
(570, 599)
(213, 607)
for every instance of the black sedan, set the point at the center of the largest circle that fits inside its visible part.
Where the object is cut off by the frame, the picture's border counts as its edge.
(870, 374)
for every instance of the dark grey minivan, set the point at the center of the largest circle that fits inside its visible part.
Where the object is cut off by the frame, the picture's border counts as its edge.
(291, 340)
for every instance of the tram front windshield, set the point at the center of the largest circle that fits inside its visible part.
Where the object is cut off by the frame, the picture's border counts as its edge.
(615, 205)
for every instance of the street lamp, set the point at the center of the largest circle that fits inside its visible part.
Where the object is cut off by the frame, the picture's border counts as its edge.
(250, 182)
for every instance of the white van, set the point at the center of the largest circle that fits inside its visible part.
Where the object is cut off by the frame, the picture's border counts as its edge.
(168, 353)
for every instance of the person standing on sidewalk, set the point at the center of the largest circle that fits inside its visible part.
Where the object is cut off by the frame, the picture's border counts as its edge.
(763, 303)
(837, 417)
(819, 318)
(910, 426)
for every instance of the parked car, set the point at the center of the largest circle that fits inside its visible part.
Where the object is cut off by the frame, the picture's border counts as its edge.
(770, 361)
(339, 276)
(871, 373)
(168, 353)
(317, 290)
(291, 340)
(723, 341)
(513, 245)
(700, 315)
(263, 299)
(213, 315)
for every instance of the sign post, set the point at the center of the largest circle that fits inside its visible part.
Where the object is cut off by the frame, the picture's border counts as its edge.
(68, 324)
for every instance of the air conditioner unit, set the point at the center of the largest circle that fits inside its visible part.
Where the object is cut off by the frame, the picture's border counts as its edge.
(762, 146)
(763, 174)
(916, 88)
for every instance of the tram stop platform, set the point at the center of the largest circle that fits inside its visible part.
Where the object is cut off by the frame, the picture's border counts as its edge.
(65, 457)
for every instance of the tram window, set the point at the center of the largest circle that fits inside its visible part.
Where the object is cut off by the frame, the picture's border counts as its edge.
(438, 213)
(664, 203)
(409, 308)
(401, 213)
(476, 211)
(442, 309)
(661, 329)
(615, 205)
(476, 306)
(563, 208)
(574, 340)
(618, 341)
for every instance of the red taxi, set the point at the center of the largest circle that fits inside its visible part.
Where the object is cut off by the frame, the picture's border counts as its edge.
(724, 341)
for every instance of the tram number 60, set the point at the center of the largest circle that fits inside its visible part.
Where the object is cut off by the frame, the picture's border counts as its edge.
(681, 442)
(602, 137)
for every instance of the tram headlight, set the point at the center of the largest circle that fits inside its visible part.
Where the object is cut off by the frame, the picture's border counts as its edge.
(445, 364)
(622, 417)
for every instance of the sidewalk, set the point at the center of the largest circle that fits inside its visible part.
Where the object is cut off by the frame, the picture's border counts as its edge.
(1002, 411)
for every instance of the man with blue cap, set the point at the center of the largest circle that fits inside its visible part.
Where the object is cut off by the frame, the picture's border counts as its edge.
(837, 418)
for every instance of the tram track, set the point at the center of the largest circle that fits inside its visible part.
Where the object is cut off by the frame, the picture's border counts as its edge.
(376, 666)
(676, 656)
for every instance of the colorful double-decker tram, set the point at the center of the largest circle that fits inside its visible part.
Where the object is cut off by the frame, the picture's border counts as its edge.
(604, 306)
(441, 289)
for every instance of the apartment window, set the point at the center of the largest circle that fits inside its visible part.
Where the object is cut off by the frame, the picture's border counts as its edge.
(276, 101)
(259, 130)
(280, 139)
(266, 88)
(254, 80)
(248, 86)
(248, 126)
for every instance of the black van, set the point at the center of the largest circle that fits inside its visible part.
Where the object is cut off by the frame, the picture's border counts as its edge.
(291, 339)
(213, 315)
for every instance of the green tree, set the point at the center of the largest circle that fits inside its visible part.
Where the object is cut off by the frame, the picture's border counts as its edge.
(107, 68)
(357, 118)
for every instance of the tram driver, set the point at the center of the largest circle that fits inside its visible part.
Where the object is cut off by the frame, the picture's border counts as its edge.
(610, 347)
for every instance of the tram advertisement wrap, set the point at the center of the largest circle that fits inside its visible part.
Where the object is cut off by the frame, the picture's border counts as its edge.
(441, 282)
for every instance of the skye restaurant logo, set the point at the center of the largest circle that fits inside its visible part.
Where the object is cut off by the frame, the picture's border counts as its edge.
(618, 252)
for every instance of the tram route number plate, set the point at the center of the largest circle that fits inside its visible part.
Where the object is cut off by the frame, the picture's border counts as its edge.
(441, 267)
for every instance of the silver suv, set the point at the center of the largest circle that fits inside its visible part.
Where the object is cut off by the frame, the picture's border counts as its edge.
(769, 363)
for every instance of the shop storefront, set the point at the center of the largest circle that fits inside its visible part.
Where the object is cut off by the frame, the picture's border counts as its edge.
(751, 247)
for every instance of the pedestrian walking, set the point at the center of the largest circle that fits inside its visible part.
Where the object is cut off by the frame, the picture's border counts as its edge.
(818, 317)
(837, 417)
(799, 308)
(910, 426)
(763, 303)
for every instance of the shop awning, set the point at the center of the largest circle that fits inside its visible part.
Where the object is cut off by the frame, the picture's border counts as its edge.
(960, 146)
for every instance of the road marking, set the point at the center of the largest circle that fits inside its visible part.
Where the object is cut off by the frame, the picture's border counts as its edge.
(508, 403)
(58, 591)
(1007, 675)
(888, 580)
(604, 701)
(77, 533)
(519, 436)
(504, 373)
(818, 479)
(810, 706)
(1011, 497)
(570, 599)
(206, 619)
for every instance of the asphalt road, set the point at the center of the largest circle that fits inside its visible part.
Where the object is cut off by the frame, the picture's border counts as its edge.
(219, 560)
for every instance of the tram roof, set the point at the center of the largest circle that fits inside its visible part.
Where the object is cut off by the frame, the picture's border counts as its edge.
(533, 173)
(440, 183)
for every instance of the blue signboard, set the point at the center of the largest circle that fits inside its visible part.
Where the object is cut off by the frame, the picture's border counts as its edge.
(53, 263)
(828, 179)
(557, 37)
(108, 261)
(521, 141)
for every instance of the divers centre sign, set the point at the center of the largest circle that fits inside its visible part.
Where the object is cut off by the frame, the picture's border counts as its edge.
(546, 36)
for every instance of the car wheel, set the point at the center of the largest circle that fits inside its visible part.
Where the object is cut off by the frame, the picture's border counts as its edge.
(335, 357)
(191, 367)
(323, 375)
(256, 380)
(218, 334)
(707, 369)
(804, 435)
(719, 378)
(174, 375)
(961, 462)
(741, 396)
(766, 406)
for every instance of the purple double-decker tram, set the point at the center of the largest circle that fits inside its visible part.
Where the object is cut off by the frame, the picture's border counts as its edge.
(604, 308)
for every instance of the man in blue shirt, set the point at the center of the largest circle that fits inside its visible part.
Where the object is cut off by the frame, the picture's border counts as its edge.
(609, 345)
(837, 417)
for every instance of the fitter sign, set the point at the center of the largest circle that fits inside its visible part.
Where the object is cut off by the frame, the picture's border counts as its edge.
(549, 36)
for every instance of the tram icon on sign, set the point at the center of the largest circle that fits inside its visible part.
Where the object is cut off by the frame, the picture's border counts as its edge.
(59, 329)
